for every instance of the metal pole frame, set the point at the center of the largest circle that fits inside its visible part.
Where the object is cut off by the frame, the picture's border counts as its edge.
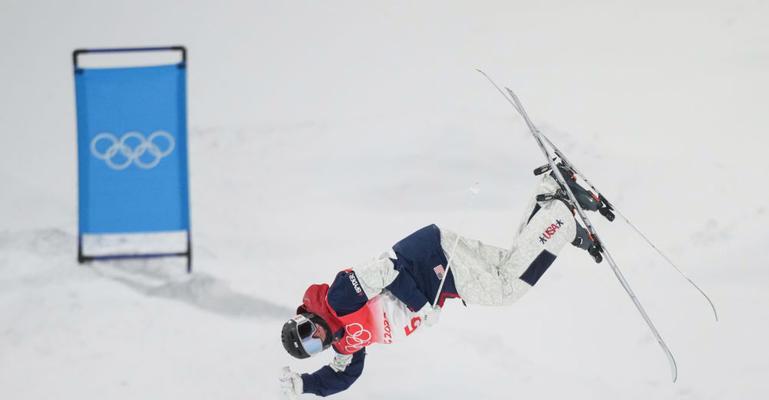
(77, 52)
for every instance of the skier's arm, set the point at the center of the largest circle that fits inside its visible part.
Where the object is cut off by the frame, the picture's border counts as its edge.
(375, 275)
(383, 273)
(337, 376)
(405, 288)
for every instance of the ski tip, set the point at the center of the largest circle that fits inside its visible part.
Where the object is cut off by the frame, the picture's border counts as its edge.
(513, 95)
(713, 306)
(673, 368)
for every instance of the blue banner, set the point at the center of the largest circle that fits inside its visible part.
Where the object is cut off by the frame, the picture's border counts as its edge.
(132, 149)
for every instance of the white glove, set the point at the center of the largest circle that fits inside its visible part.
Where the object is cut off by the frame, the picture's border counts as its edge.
(429, 314)
(291, 383)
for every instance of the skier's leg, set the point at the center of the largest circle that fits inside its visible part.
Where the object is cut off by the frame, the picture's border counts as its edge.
(491, 275)
(475, 268)
(536, 247)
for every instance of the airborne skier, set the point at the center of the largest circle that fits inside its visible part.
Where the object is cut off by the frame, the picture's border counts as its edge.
(392, 296)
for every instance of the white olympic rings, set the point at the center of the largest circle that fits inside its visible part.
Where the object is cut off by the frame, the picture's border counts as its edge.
(132, 152)
(356, 337)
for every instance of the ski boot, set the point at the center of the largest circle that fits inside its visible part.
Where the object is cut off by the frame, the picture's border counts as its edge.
(587, 201)
(584, 240)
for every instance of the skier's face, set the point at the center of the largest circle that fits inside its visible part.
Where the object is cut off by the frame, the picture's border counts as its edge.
(320, 332)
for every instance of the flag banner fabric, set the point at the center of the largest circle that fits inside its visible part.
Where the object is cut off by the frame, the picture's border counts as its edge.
(132, 149)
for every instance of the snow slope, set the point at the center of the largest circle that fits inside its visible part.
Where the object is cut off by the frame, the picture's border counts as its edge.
(321, 133)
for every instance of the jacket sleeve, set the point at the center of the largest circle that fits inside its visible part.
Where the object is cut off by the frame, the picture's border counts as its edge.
(375, 275)
(405, 288)
(345, 295)
(385, 272)
(336, 377)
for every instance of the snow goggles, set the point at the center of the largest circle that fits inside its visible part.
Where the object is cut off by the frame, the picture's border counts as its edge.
(306, 331)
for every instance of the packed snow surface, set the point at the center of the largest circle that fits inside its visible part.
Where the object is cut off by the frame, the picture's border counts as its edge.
(323, 132)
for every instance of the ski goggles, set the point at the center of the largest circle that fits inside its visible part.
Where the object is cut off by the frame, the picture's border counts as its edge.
(306, 331)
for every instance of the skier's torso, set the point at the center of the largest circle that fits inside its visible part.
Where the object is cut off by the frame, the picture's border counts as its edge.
(377, 303)
(384, 319)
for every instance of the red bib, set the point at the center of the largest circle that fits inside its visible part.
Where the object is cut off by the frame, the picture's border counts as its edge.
(383, 319)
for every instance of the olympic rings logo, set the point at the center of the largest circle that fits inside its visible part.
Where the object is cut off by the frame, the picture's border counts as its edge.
(356, 337)
(132, 147)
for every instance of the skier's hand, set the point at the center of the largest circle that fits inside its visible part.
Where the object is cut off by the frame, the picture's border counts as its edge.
(429, 314)
(291, 383)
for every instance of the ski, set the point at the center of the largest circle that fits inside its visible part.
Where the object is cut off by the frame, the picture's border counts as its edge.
(608, 210)
(611, 209)
(512, 98)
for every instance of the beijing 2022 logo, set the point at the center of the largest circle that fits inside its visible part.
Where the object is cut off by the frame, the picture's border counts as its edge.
(356, 337)
(132, 148)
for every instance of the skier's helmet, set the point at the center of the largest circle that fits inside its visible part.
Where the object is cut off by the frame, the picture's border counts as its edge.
(305, 335)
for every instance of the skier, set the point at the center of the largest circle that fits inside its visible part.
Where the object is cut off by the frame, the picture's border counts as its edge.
(394, 295)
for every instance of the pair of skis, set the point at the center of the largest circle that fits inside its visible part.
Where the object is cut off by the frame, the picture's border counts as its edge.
(605, 208)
